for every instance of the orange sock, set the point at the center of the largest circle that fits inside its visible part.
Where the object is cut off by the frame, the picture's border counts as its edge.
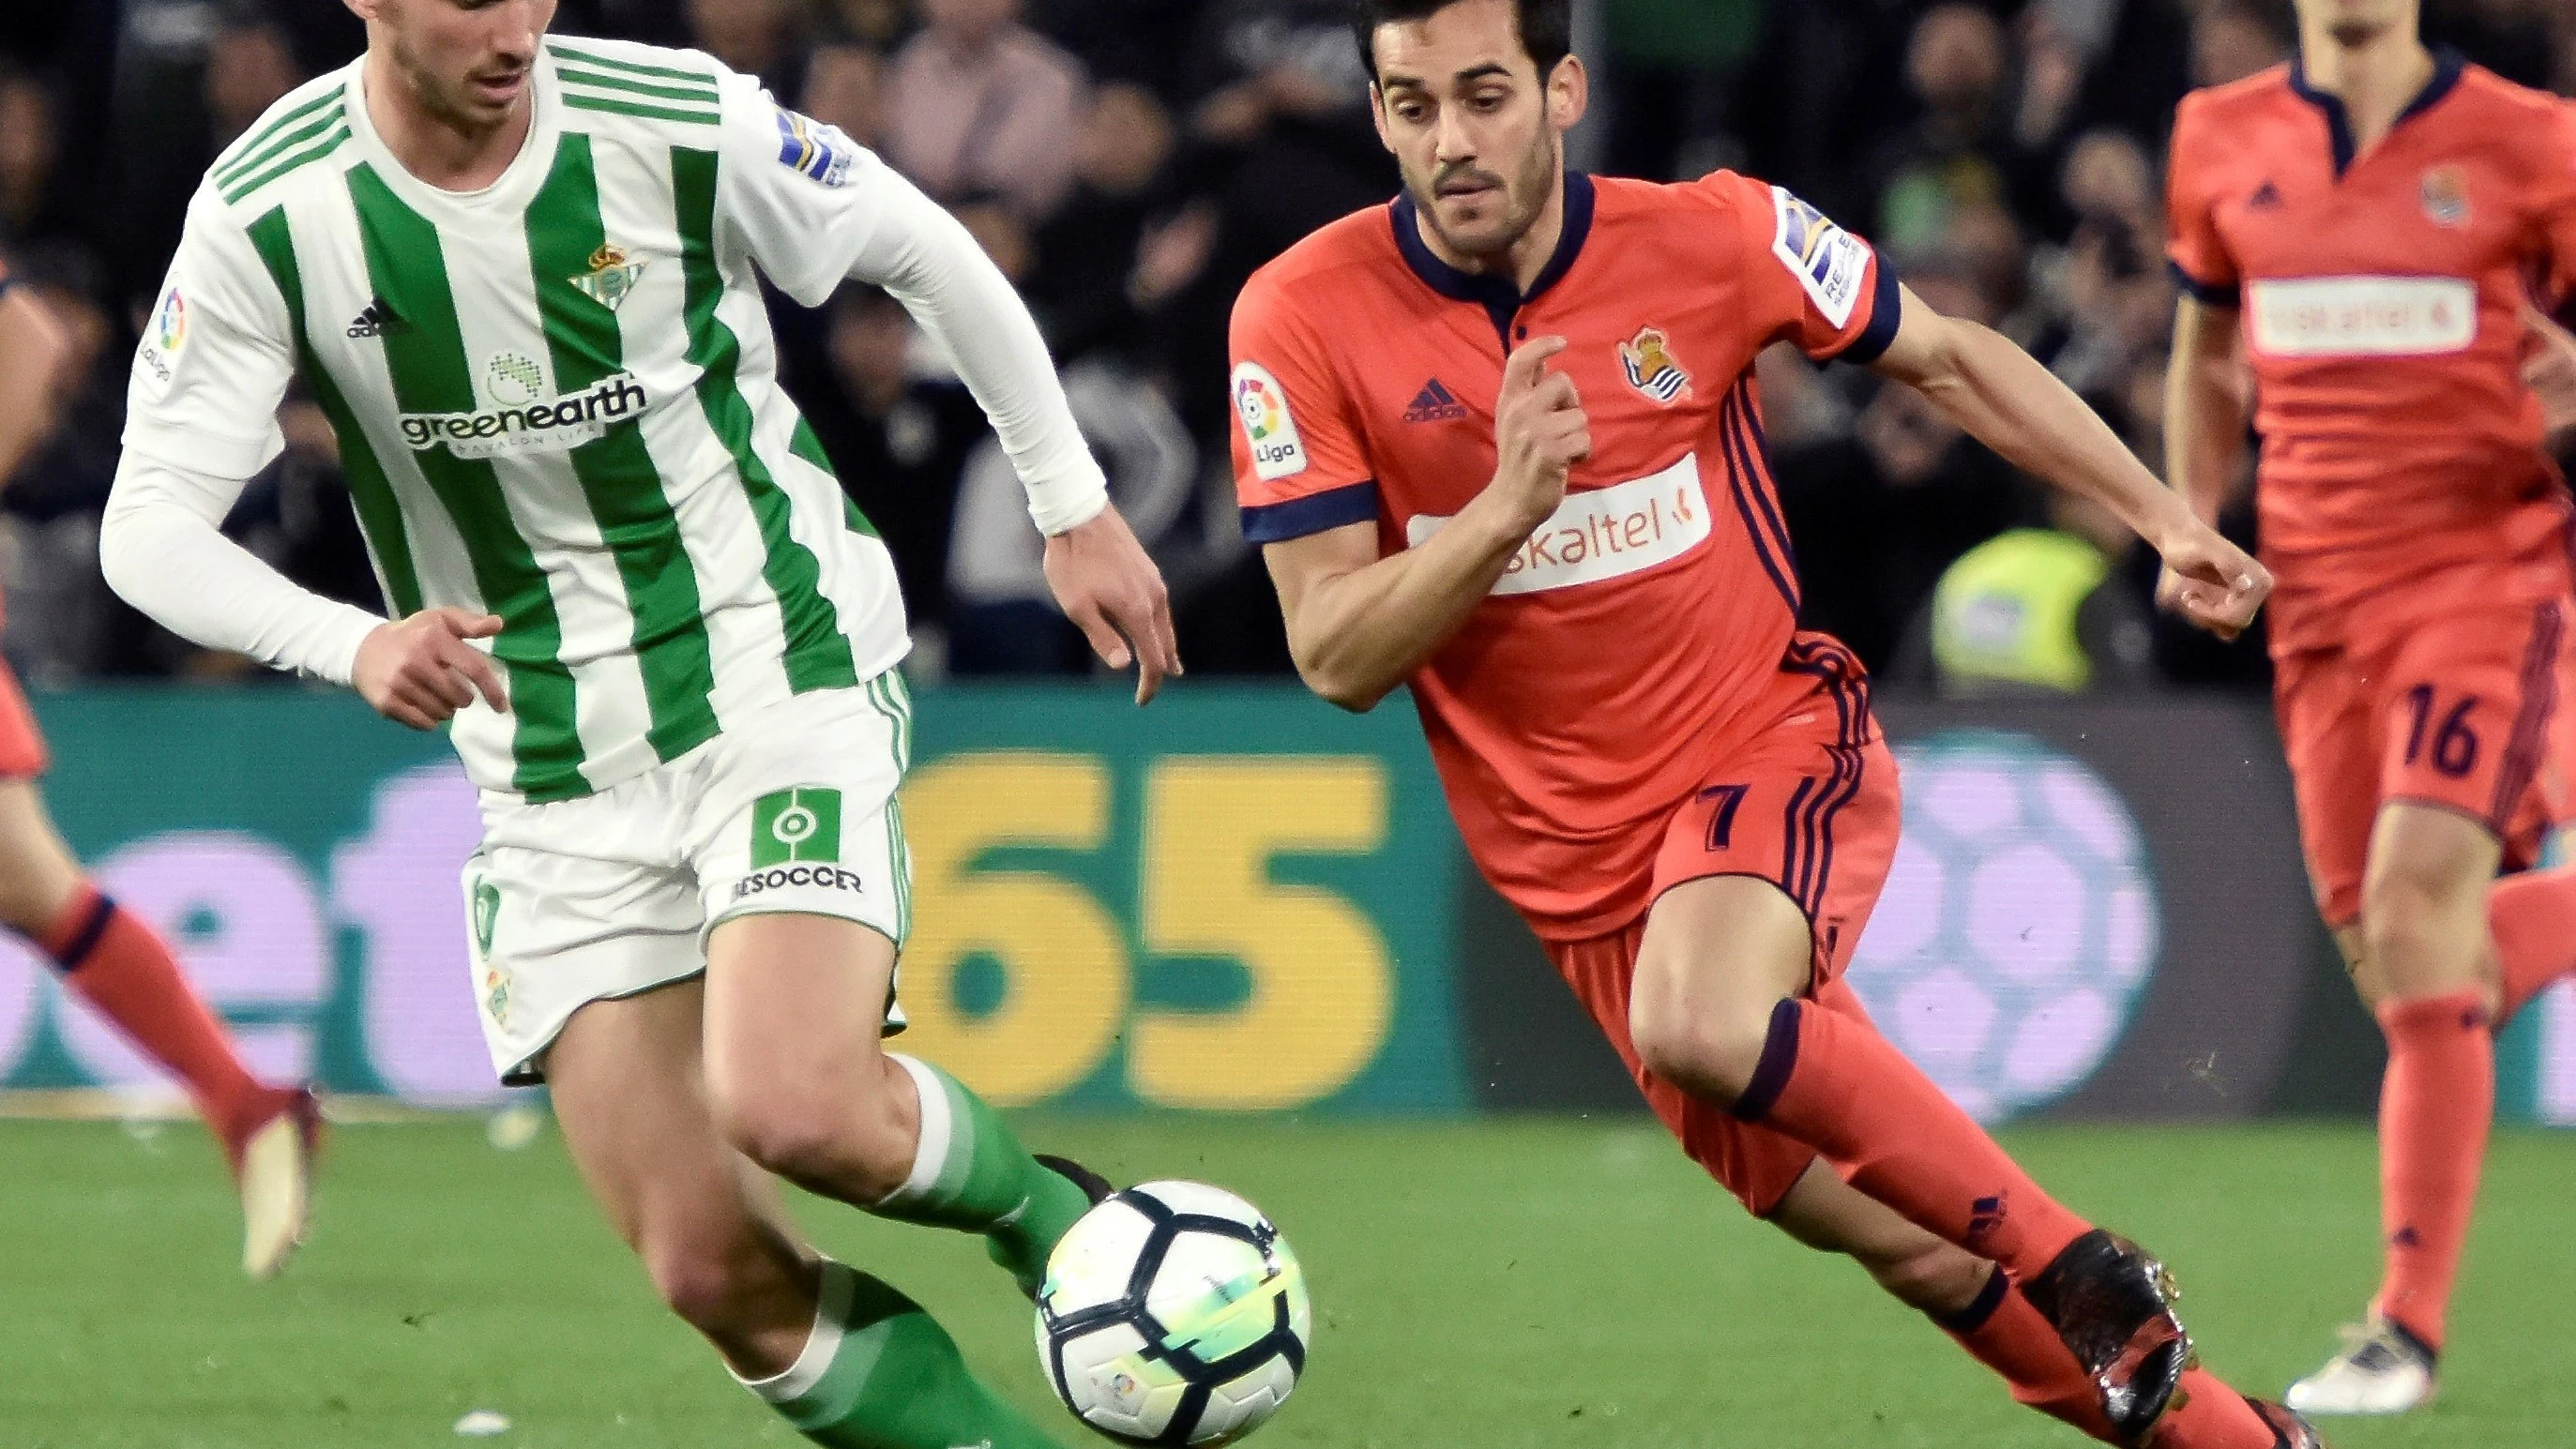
(2532, 917)
(123, 970)
(1834, 1083)
(2005, 1333)
(2207, 1414)
(2434, 1107)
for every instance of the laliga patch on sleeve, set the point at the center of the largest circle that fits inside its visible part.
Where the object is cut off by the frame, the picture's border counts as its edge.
(819, 152)
(1829, 262)
(163, 340)
(1262, 405)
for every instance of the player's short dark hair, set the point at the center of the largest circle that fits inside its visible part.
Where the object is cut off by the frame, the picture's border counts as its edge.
(1546, 26)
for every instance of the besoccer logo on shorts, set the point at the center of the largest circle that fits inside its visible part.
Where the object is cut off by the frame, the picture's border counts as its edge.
(2019, 926)
(793, 825)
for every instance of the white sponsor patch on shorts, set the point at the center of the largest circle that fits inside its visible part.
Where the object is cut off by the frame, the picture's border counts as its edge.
(1603, 533)
(1829, 262)
(2362, 316)
(1261, 405)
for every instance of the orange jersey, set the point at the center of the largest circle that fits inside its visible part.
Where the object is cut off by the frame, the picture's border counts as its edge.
(1641, 635)
(2381, 298)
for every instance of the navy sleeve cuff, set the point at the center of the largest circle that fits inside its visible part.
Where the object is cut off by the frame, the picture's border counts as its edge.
(1886, 311)
(1298, 517)
(2208, 294)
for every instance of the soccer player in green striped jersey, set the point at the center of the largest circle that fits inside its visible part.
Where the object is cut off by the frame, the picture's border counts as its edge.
(522, 277)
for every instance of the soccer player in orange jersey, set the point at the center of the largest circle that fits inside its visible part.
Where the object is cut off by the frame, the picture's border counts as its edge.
(1501, 443)
(2367, 226)
(107, 957)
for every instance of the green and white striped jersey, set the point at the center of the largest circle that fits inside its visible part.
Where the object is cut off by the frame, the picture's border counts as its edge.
(556, 398)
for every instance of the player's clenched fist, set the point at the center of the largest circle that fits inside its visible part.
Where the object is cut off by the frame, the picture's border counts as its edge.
(420, 671)
(1540, 431)
(2212, 582)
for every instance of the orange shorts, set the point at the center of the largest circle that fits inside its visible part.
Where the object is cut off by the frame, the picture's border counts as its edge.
(1816, 816)
(2462, 709)
(22, 745)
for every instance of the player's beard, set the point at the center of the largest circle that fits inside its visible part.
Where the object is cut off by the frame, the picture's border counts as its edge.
(450, 101)
(1524, 198)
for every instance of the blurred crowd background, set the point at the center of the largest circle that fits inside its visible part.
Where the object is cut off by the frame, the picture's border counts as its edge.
(1130, 162)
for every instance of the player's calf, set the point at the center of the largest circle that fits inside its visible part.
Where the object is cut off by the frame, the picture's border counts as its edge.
(739, 1283)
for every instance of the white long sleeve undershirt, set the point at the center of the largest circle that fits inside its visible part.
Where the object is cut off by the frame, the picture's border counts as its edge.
(163, 549)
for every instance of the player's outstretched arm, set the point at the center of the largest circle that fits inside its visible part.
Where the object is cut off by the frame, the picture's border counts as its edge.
(1358, 624)
(2206, 396)
(34, 347)
(1100, 574)
(2002, 397)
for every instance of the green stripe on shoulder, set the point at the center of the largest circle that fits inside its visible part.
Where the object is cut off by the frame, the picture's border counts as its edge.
(580, 102)
(601, 58)
(235, 154)
(600, 80)
(293, 161)
(257, 161)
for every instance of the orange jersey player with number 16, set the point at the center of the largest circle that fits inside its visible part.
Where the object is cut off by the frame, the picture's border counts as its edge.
(2366, 227)
(1501, 443)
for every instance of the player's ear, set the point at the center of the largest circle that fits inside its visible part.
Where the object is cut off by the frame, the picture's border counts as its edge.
(1377, 116)
(1569, 93)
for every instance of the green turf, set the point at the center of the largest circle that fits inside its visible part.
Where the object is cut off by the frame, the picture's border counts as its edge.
(1558, 1284)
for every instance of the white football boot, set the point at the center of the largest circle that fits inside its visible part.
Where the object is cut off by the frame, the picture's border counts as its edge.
(2382, 1369)
(274, 1171)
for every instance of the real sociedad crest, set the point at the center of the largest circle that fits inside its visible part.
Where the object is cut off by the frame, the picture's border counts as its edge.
(1651, 368)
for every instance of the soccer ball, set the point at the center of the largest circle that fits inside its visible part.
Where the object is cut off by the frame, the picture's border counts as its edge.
(1173, 1313)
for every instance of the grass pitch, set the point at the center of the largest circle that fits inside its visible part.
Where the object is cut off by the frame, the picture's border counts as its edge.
(1501, 1286)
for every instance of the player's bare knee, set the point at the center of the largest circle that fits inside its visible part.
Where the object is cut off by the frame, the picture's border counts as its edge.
(2422, 927)
(830, 1132)
(1710, 1050)
(37, 878)
(712, 1284)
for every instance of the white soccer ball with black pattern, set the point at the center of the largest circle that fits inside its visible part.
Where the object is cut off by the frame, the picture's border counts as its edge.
(1173, 1313)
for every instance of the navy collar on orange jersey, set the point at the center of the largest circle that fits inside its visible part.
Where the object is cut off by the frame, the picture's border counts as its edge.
(2447, 65)
(1501, 300)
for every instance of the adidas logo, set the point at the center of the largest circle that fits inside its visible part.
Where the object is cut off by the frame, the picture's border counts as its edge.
(2266, 197)
(1435, 404)
(378, 321)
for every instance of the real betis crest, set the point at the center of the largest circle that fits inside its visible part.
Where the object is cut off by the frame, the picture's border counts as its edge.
(611, 277)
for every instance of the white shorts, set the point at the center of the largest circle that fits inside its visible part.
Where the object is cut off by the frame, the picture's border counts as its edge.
(613, 894)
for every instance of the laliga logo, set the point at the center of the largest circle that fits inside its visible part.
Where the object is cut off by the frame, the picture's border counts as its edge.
(174, 322)
(1260, 410)
(2019, 925)
(1277, 451)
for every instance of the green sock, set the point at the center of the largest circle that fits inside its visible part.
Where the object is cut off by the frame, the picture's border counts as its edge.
(879, 1374)
(972, 1174)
